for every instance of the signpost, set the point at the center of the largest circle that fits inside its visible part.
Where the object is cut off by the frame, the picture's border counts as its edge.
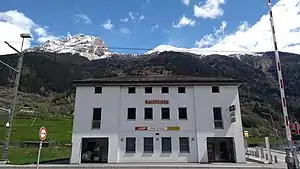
(43, 136)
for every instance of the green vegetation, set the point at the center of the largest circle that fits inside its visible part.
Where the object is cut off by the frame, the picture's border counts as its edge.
(29, 155)
(59, 136)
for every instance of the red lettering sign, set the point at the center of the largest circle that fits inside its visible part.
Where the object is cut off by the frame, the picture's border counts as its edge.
(141, 128)
(156, 101)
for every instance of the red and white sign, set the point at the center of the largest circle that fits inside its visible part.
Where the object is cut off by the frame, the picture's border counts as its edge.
(43, 133)
(141, 128)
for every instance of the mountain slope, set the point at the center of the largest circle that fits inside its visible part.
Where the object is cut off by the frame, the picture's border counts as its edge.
(90, 47)
(52, 72)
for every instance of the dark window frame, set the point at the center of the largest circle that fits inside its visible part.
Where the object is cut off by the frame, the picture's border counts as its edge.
(130, 148)
(145, 112)
(180, 88)
(166, 149)
(215, 89)
(179, 113)
(148, 148)
(165, 90)
(129, 115)
(218, 118)
(183, 147)
(149, 91)
(162, 113)
(96, 119)
(131, 90)
(98, 90)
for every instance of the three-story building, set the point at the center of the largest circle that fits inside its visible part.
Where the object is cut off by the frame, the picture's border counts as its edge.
(157, 119)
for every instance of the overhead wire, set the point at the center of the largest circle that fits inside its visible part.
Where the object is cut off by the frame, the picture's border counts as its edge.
(204, 50)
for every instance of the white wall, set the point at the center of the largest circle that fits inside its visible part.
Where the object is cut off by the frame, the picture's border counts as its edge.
(114, 101)
(205, 100)
(85, 101)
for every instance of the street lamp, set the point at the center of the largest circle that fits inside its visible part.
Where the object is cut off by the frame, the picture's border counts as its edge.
(17, 82)
(273, 126)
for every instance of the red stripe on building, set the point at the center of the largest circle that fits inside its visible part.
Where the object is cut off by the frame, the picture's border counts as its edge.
(281, 83)
(283, 102)
(278, 65)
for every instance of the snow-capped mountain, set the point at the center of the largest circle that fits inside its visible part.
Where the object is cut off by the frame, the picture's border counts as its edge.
(90, 47)
(197, 51)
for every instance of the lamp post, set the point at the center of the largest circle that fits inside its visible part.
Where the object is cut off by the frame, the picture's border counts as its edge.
(273, 126)
(292, 162)
(17, 82)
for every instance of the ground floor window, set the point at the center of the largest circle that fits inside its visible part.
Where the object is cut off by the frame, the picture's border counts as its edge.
(130, 145)
(184, 144)
(166, 145)
(148, 145)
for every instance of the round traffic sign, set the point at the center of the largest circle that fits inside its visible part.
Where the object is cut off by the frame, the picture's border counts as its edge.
(43, 133)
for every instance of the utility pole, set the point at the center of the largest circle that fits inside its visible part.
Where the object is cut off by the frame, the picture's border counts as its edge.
(291, 162)
(16, 85)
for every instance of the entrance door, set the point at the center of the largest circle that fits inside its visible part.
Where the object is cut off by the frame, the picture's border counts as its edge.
(94, 150)
(220, 149)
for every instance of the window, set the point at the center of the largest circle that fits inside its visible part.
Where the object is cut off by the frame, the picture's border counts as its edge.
(148, 89)
(215, 89)
(131, 113)
(182, 113)
(130, 145)
(131, 90)
(165, 113)
(96, 122)
(218, 118)
(98, 90)
(184, 145)
(181, 89)
(148, 113)
(166, 145)
(148, 145)
(164, 90)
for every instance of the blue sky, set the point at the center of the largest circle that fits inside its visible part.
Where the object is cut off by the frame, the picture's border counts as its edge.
(153, 22)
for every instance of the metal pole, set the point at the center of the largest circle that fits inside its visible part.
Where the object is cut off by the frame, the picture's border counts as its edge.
(11, 115)
(39, 155)
(283, 100)
(273, 126)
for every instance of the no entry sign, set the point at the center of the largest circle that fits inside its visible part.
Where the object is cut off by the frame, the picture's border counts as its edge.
(43, 133)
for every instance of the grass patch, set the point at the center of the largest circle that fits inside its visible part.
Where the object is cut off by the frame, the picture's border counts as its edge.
(29, 155)
(59, 130)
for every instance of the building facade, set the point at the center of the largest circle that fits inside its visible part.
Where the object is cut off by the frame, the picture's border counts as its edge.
(157, 119)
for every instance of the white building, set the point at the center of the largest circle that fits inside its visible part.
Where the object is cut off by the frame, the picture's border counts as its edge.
(157, 119)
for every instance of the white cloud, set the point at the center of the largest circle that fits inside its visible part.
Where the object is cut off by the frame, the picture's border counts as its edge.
(154, 27)
(12, 24)
(211, 9)
(124, 20)
(184, 21)
(212, 38)
(84, 18)
(186, 2)
(108, 25)
(136, 16)
(259, 37)
(125, 30)
(142, 17)
(131, 15)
